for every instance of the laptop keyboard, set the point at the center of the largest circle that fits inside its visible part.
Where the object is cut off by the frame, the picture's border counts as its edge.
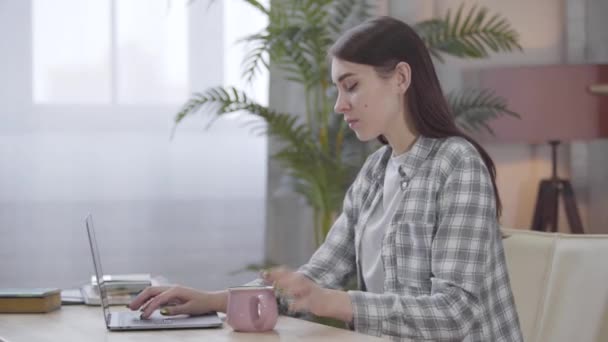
(132, 319)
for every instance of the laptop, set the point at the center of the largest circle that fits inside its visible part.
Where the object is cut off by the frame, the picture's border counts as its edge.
(130, 320)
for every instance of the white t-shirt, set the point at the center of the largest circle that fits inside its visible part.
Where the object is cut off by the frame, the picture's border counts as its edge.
(371, 240)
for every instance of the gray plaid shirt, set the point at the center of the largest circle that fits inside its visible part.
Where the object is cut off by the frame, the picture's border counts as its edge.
(445, 272)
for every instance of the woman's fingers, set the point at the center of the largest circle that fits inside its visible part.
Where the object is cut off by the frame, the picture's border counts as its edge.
(302, 286)
(175, 301)
(276, 274)
(280, 277)
(292, 283)
(302, 304)
(182, 309)
(147, 294)
(315, 302)
(160, 300)
(296, 285)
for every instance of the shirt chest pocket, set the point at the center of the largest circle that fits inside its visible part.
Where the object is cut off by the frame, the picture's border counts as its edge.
(413, 256)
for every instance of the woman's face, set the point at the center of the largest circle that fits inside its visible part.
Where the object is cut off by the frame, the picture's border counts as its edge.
(371, 105)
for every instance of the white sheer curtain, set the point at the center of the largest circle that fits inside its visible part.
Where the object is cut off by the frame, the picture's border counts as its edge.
(88, 94)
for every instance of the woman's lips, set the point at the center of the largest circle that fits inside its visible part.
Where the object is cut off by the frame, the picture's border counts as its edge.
(352, 122)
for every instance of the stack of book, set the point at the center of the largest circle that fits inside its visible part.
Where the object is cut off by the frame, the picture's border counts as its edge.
(120, 288)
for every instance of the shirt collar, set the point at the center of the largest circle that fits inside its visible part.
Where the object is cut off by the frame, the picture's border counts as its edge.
(414, 158)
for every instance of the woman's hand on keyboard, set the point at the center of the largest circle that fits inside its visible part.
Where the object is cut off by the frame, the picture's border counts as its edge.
(178, 300)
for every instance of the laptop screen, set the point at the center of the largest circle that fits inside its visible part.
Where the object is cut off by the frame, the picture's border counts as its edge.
(98, 270)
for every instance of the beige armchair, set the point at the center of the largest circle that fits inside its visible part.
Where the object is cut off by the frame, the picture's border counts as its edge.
(560, 285)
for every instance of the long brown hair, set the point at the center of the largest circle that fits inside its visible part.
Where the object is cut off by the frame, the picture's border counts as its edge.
(383, 42)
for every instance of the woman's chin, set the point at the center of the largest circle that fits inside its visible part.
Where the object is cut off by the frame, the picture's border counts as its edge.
(363, 137)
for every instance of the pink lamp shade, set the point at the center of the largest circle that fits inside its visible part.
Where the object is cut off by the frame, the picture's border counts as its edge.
(556, 102)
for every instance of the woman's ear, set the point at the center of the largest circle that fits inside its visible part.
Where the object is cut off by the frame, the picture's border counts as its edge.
(404, 76)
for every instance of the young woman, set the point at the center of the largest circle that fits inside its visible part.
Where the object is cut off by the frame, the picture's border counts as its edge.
(419, 227)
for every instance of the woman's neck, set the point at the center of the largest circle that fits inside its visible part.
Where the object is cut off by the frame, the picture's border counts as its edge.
(403, 145)
(401, 137)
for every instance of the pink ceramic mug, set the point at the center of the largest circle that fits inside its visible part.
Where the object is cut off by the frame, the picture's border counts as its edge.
(252, 308)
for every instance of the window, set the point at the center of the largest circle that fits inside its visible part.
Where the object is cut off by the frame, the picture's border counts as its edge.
(110, 51)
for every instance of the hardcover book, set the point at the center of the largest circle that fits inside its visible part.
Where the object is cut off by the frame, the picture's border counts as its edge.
(32, 300)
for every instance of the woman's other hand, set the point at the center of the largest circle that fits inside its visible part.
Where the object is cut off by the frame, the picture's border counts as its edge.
(308, 296)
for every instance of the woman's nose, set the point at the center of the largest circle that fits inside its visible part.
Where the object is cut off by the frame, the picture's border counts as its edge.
(341, 105)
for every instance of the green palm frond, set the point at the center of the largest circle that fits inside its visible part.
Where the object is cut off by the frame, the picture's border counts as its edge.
(297, 44)
(219, 101)
(319, 176)
(301, 53)
(305, 41)
(309, 11)
(258, 5)
(266, 45)
(428, 30)
(474, 108)
(256, 57)
(321, 181)
(471, 35)
(345, 13)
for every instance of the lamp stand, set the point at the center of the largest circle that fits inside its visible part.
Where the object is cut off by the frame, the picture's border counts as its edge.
(547, 201)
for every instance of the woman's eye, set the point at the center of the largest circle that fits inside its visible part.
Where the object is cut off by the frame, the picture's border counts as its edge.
(351, 87)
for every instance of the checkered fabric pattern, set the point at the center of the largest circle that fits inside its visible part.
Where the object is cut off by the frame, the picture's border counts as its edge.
(445, 271)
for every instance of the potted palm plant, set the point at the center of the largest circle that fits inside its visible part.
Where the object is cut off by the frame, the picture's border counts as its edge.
(318, 152)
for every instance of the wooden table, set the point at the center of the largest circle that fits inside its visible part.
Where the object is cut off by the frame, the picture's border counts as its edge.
(83, 323)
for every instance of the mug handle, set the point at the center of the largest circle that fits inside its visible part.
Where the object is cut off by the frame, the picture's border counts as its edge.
(267, 306)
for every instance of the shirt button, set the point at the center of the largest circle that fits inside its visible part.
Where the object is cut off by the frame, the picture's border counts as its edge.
(403, 185)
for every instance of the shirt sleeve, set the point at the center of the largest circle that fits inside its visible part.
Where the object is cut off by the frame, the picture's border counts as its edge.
(334, 262)
(466, 221)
